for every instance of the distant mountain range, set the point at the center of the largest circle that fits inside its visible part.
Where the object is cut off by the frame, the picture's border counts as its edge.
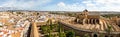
(13, 9)
(8, 8)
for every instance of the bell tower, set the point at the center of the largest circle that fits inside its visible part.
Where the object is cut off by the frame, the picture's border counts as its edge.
(85, 14)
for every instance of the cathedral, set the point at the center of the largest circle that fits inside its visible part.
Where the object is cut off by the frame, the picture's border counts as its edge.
(85, 18)
(95, 25)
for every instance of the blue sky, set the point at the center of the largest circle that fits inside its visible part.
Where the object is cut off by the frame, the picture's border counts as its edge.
(63, 5)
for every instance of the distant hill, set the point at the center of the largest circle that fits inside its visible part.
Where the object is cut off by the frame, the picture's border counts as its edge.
(8, 8)
(13, 9)
(91, 12)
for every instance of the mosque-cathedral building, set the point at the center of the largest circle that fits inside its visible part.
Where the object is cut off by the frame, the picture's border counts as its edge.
(95, 25)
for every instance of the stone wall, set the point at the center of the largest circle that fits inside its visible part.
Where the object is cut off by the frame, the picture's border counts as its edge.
(80, 32)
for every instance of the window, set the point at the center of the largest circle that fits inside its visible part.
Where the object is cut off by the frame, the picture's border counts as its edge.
(95, 35)
(106, 36)
(97, 21)
(111, 36)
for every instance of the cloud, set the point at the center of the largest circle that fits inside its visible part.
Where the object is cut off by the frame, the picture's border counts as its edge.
(107, 5)
(92, 5)
(24, 4)
(69, 7)
(61, 4)
(74, 5)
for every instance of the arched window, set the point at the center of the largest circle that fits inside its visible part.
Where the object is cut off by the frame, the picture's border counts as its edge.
(95, 35)
(111, 36)
(119, 25)
(94, 21)
(90, 21)
(97, 21)
(106, 36)
(86, 21)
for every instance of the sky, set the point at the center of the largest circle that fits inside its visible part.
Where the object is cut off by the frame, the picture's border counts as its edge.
(63, 5)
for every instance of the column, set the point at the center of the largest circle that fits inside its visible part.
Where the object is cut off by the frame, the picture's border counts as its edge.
(98, 21)
(95, 21)
(84, 21)
(91, 21)
(88, 21)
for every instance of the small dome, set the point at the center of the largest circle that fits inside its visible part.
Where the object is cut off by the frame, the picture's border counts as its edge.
(85, 10)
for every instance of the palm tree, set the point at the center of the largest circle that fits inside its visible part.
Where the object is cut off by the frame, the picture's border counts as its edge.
(108, 30)
(59, 30)
(86, 35)
(49, 23)
(70, 33)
